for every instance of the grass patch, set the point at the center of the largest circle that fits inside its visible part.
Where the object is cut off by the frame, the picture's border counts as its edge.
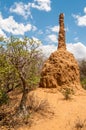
(67, 93)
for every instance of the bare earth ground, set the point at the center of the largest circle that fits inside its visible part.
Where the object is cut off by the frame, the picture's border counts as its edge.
(68, 114)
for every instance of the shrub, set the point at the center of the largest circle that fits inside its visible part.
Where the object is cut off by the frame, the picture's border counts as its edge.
(83, 82)
(67, 93)
(39, 106)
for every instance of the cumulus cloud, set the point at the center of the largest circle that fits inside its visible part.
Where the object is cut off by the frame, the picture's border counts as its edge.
(84, 9)
(52, 29)
(52, 38)
(42, 5)
(48, 49)
(21, 9)
(11, 26)
(81, 20)
(52, 32)
(55, 29)
(77, 49)
(24, 10)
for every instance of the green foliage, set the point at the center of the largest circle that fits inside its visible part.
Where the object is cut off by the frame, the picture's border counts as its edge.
(67, 92)
(20, 61)
(3, 97)
(7, 72)
(83, 82)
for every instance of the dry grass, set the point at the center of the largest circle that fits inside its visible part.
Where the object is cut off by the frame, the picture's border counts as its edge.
(80, 124)
(41, 106)
(10, 120)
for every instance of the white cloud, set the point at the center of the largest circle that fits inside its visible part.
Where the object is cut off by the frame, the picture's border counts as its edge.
(52, 29)
(55, 29)
(52, 38)
(11, 26)
(21, 9)
(24, 10)
(48, 49)
(81, 20)
(42, 5)
(78, 49)
(85, 10)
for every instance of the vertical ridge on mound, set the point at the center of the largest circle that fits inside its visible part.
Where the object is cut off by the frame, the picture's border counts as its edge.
(61, 70)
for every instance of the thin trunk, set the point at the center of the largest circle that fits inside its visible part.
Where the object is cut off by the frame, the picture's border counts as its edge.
(22, 106)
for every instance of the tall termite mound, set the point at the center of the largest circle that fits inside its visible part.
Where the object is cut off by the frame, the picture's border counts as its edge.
(61, 70)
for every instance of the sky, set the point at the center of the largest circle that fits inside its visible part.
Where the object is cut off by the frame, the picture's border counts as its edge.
(39, 19)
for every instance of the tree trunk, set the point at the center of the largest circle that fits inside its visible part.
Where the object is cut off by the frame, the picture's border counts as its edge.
(22, 107)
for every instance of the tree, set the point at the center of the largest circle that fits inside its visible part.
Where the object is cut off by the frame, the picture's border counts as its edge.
(23, 58)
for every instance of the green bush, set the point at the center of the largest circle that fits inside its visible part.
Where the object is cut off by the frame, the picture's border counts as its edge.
(67, 93)
(3, 97)
(83, 82)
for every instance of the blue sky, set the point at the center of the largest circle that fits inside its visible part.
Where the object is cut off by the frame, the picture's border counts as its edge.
(39, 19)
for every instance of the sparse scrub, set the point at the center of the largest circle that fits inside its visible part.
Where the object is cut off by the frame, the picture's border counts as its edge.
(34, 106)
(67, 92)
(80, 124)
(39, 106)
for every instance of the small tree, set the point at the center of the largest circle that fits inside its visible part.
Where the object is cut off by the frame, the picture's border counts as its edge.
(22, 59)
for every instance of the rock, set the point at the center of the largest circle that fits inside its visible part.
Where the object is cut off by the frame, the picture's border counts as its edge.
(61, 70)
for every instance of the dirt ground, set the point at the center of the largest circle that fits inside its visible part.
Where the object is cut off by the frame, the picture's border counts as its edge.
(68, 114)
